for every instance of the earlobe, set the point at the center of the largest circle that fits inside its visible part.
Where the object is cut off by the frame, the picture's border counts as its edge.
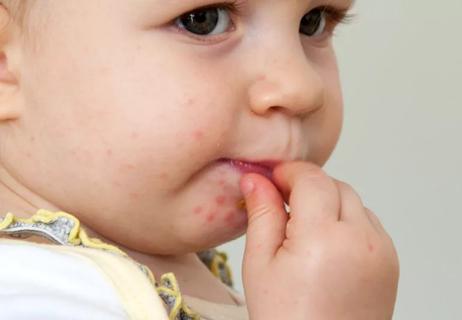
(9, 85)
(9, 92)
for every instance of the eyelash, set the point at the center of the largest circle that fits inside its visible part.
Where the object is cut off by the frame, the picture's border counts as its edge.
(334, 16)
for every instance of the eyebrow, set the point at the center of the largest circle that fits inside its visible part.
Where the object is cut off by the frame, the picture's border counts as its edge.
(352, 2)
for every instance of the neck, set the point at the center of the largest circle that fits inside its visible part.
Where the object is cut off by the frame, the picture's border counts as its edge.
(18, 199)
(158, 264)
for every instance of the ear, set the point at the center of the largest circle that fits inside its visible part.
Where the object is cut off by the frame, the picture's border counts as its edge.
(10, 93)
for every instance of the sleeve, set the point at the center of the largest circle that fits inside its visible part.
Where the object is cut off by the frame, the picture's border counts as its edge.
(39, 283)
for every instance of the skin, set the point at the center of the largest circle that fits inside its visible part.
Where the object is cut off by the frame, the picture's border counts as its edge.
(119, 119)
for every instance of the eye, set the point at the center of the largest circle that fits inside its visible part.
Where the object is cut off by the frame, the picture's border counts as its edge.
(314, 23)
(205, 21)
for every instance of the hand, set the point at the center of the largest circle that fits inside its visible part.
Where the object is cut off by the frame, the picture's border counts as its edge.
(329, 258)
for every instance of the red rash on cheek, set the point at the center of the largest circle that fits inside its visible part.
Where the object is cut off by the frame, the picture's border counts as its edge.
(211, 216)
(220, 200)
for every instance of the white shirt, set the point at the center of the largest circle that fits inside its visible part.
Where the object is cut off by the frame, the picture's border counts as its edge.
(39, 283)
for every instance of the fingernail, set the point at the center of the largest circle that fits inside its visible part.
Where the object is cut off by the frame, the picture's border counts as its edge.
(247, 187)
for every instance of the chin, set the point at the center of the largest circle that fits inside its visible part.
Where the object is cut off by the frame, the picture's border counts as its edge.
(208, 239)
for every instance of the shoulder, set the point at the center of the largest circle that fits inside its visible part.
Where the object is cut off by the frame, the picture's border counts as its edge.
(36, 280)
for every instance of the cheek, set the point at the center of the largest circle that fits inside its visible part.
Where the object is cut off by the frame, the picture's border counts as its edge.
(163, 155)
(329, 124)
(323, 127)
(335, 104)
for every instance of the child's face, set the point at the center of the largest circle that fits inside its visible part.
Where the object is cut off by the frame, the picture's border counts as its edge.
(123, 118)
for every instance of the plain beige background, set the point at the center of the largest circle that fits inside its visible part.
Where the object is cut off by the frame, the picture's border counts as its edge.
(401, 65)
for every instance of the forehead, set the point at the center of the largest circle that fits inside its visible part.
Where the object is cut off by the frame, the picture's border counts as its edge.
(163, 6)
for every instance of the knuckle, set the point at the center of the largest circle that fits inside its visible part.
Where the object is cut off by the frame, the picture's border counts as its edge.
(374, 217)
(343, 184)
(314, 172)
(317, 180)
(347, 189)
(302, 168)
(258, 212)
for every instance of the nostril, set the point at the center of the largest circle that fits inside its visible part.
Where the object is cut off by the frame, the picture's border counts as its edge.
(278, 109)
(288, 111)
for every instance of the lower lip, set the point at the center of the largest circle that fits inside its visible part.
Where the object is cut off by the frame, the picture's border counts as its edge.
(246, 167)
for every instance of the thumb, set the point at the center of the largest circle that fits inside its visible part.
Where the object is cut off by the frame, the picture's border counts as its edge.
(267, 219)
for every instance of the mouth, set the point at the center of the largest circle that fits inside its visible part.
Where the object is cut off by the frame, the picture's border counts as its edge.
(264, 168)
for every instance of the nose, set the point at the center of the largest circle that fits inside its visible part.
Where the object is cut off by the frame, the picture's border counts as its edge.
(287, 81)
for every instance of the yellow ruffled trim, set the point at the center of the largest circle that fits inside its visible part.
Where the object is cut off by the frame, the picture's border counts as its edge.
(220, 260)
(78, 236)
(169, 286)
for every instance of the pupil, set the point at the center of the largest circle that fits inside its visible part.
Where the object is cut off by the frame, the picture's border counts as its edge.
(311, 22)
(201, 21)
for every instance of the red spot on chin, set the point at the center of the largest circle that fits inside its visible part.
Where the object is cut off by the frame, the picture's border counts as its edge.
(210, 217)
(371, 247)
(198, 210)
(221, 182)
(220, 200)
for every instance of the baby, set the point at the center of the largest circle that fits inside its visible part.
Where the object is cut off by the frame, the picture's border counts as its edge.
(164, 128)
